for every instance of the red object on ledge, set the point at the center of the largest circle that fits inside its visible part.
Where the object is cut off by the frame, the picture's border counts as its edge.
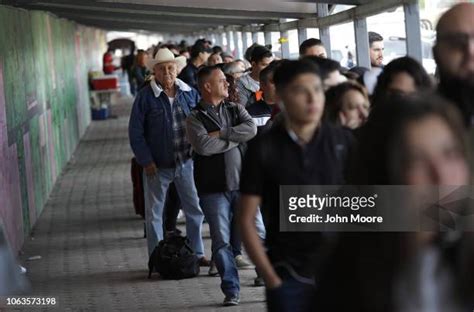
(105, 82)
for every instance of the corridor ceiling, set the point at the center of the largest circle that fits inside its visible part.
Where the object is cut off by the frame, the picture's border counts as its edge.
(176, 16)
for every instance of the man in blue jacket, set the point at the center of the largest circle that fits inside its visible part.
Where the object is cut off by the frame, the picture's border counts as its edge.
(158, 139)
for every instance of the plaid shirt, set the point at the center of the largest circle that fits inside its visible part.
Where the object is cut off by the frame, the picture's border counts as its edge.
(182, 148)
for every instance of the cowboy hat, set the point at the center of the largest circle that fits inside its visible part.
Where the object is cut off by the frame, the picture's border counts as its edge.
(164, 55)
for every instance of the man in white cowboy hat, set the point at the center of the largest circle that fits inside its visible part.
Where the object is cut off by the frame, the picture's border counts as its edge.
(158, 139)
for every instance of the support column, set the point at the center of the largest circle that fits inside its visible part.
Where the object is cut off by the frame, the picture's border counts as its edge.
(212, 37)
(362, 42)
(219, 40)
(245, 43)
(254, 37)
(209, 36)
(268, 37)
(302, 35)
(238, 50)
(324, 31)
(412, 30)
(285, 45)
(228, 34)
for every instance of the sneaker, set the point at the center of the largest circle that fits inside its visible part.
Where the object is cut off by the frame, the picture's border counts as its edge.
(242, 263)
(22, 269)
(231, 301)
(213, 269)
(180, 219)
(204, 262)
(258, 282)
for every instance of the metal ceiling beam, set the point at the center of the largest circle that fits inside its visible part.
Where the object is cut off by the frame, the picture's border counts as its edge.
(366, 9)
(127, 27)
(134, 19)
(346, 16)
(347, 2)
(132, 23)
(88, 11)
(279, 6)
(150, 8)
(252, 28)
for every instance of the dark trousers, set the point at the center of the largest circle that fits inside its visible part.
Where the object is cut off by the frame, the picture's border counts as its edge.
(171, 210)
(292, 296)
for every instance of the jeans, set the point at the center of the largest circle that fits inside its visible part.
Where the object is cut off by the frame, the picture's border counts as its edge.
(293, 295)
(219, 211)
(236, 241)
(155, 195)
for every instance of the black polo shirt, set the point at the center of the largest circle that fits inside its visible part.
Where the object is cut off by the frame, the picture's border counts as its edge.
(261, 113)
(275, 159)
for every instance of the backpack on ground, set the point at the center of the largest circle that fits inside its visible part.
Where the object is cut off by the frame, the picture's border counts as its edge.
(173, 258)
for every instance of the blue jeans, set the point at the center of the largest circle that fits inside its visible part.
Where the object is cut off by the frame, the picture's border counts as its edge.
(294, 295)
(155, 195)
(219, 211)
(236, 240)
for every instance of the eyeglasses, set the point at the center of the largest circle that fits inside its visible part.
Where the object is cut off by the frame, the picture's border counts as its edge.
(456, 40)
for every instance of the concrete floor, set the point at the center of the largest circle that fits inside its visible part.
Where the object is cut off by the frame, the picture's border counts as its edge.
(93, 254)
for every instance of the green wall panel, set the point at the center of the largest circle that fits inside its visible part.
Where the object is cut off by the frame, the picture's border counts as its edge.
(44, 63)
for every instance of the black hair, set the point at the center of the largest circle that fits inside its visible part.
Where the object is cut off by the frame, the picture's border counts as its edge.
(204, 73)
(171, 46)
(404, 64)
(259, 53)
(248, 52)
(217, 49)
(215, 53)
(200, 41)
(373, 37)
(220, 66)
(199, 47)
(288, 70)
(325, 65)
(269, 70)
(308, 43)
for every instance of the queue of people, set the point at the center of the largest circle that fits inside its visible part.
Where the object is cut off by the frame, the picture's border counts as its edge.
(228, 137)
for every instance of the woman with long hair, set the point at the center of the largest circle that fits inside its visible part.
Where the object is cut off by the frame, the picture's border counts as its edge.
(347, 104)
(402, 76)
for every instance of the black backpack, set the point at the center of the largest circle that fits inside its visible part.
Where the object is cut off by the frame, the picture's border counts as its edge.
(173, 258)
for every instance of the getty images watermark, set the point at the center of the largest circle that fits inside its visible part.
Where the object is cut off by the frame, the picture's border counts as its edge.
(383, 208)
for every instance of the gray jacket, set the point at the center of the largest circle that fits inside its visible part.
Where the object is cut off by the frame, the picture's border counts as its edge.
(229, 140)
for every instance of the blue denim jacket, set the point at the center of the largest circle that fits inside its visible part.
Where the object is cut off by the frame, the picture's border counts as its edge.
(151, 124)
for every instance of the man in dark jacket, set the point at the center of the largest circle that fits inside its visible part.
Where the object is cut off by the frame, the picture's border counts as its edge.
(263, 106)
(158, 139)
(217, 129)
(200, 52)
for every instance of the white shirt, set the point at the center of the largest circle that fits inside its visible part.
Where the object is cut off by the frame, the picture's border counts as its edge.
(157, 89)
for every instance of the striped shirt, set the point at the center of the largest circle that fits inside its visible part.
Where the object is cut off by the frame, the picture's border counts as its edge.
(246, 87)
